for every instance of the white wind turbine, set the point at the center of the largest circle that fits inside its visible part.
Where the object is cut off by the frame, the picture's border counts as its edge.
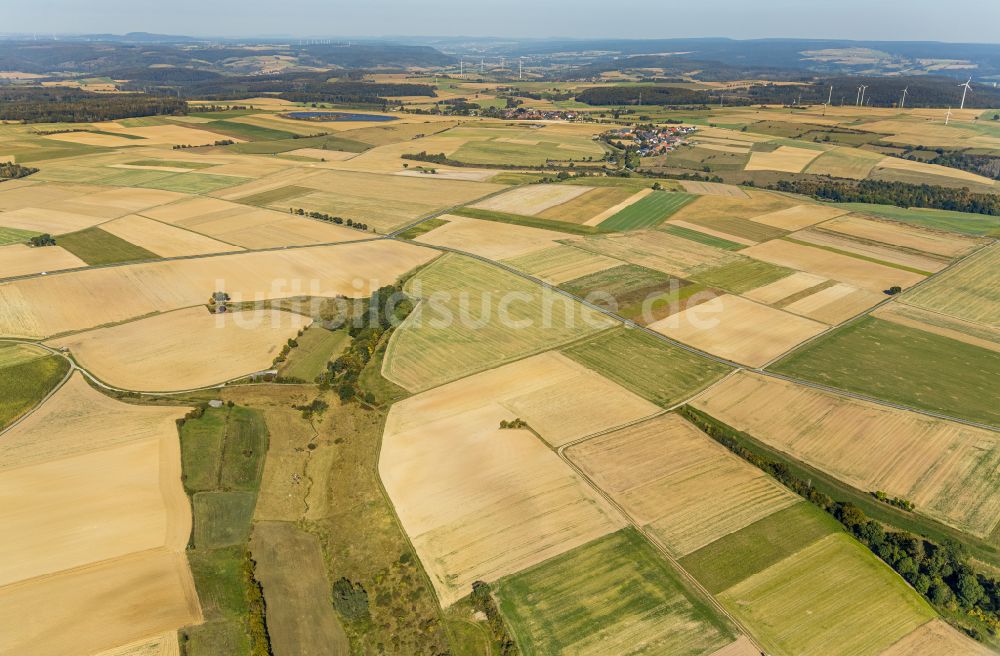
(967, 87)
(947, 117)
(858, 99)
(902, 103)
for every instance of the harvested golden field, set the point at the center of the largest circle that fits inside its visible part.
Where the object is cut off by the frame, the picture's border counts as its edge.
(948, 470)
(799, 216)
(532, 199)
(162, 645)
(754, 203)
(969, 291)
(21, 259)
(559, 263)
(863, 249)
(163, 239)
(112, 203)
(560, 399)
(384, 202)
(523, 506)
(934, 242)
(43, 307)
(844, 162)
(490, 239)
(936, 638)
(934, 170)
(54, 222)
(91, 507)
(100, 607)
(835, 303)
(679, 483)
(250, 227)
(594, 206)
(168, 351)
(976, 334)
(712, 189)
(76, 420)
(781, 289)
(738, 329)
(845, 268)
(656, 249)
(788, 159)
(94, 546)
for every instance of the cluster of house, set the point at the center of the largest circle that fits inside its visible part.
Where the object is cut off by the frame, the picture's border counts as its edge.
(530, 114)
(653, 140)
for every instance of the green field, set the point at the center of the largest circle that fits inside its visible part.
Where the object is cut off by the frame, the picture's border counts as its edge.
(615, 595)
(634, 292)
(648, 211)
(14, 235)
(635, 183)
(530, 221)
(742, 276)
(223, 518)
(222, 457)
(737, 227)
(317, 346)
(201, 450)
(650, 367)
(904, 365)
(738, 556)
(218, 577)
(832, 597)
(962, 222)
(95, 247)
(701, 237)
(428, 349)
(27, 374)
(194, 183)
(421, 228)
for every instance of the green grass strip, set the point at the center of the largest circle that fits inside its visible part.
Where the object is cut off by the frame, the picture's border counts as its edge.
(421, 228)
(701, 237)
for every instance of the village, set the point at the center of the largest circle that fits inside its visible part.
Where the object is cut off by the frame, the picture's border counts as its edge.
(649, 140)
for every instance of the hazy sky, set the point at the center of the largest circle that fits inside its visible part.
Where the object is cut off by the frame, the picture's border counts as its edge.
(858, 19)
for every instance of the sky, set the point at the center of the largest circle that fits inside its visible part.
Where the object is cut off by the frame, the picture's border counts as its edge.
(896, 20)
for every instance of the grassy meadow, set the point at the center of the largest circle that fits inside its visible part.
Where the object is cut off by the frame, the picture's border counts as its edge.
(27, 374)
(96, 247)
(904, 365)
(563, 605)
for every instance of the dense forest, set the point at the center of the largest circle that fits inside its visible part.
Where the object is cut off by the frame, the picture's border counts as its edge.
(296, 87)
(985, 165)
(900, 194)
(649, 95)
(66, 105)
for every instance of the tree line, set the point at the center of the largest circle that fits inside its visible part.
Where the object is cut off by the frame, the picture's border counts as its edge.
(63, 105)
(941, 573)
(900, 194)
(372, 321)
